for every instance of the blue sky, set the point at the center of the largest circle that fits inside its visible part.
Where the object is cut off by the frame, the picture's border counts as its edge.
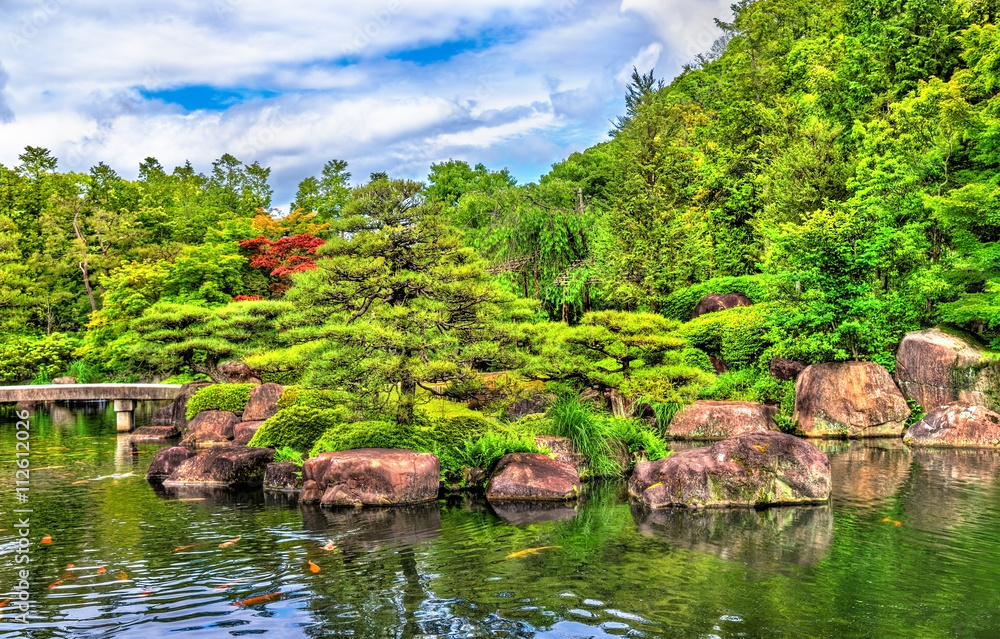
(392, 85)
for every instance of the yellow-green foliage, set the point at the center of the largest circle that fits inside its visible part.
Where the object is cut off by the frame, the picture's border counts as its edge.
(738, 335)
(297, 427)
(314, 398)
(370, 434)
(231, 397)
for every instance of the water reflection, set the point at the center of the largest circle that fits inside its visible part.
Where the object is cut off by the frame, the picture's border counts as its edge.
(866, 473)
(950, 486)
(769, 539)
(525, 513)
(368, 529)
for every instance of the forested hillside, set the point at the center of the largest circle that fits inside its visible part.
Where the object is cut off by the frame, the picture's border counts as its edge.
(837, 163)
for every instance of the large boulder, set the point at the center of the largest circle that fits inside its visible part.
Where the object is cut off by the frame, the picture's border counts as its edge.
(564, 450)
(934, 368)
(283, 476)
(956, 425)
(849, 399)
(532, 477)
(244, 432)
(719, 420)
(370, 477)
(211, 428)
(237, 372)
(166, 461)
(747, 470)
(175, 413)
(223, 466)
(715, 302)
(263, 402)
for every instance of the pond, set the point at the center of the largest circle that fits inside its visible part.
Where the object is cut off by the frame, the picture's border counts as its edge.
(906, 548)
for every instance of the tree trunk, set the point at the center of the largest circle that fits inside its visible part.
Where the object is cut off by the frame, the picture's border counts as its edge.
(83, 263)
(407, 400)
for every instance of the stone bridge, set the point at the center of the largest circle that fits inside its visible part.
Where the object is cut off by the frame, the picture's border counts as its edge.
(124, 396)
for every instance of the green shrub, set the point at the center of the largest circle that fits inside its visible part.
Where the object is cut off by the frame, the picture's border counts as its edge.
(84, 372)
(738, 336)
(296, 426)
(186, 378)
(36, 358)
(370, 434)
(679, 304)
(635, 436)
(755, 385)
(311, 397)
(231, 397)
(288, 454)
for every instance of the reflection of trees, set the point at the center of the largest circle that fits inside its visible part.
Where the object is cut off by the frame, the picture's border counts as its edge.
(866, 473)
(767, 539)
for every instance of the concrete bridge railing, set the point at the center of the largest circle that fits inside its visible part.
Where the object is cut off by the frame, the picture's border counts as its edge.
(124, 396)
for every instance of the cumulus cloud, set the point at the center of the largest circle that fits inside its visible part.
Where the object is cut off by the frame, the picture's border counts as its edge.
(392, 85)
(6, 114)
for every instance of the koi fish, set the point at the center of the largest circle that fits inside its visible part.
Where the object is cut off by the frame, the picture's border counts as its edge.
(82, 481)
(259, 599)
(897, 523)
(330, 546)
(56, 583)
(528, 551)
(227, 586)
(146, 593)
(47, 539)
(314, 566)
(886, 520)
(231, 542)
(102, 570)
(69, 566)
(4, 602)
(122, 575)
(180, 548)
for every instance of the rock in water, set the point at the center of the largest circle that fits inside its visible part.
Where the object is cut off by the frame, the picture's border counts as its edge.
(532, 477)
(934, 368)
(371, 477)
(959, 425)
(154, 433)
(283, 476)
(223, 466)
(714, 302)
(167, 460)
(263, 402)
(719, 420)
(211, 427)
(849, 399)
(755, 469)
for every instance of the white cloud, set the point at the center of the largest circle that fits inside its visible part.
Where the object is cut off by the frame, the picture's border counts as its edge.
(528, 82)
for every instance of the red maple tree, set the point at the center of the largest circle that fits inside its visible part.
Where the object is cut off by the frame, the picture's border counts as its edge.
(283, 257)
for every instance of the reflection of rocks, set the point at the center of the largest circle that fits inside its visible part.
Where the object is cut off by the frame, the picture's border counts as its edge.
(866, 472)
(154, 433)
(950, 485)
(765, 539)
(368, 529)
(209, 496)
(524, 513)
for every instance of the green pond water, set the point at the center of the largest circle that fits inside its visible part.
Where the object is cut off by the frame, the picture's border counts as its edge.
(444, 570)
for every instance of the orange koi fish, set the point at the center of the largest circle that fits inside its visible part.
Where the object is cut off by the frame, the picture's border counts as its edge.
(528, 551)
(180, 548)
(4, 602)
(330, 546)
(47, 539)
(56, 583)
(259, 599)
(313, 566)
(102, 570)
(122, 575)
(82, 481)
(231, 542)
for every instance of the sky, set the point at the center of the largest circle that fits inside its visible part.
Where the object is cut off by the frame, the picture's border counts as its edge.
(388, 85)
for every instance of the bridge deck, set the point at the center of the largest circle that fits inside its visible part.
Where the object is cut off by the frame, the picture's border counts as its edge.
(70, 392)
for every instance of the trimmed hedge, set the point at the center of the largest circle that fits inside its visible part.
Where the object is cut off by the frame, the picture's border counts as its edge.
(297, 427)
(231, 397)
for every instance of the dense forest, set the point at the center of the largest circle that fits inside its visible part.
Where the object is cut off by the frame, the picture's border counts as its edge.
(837, 163)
